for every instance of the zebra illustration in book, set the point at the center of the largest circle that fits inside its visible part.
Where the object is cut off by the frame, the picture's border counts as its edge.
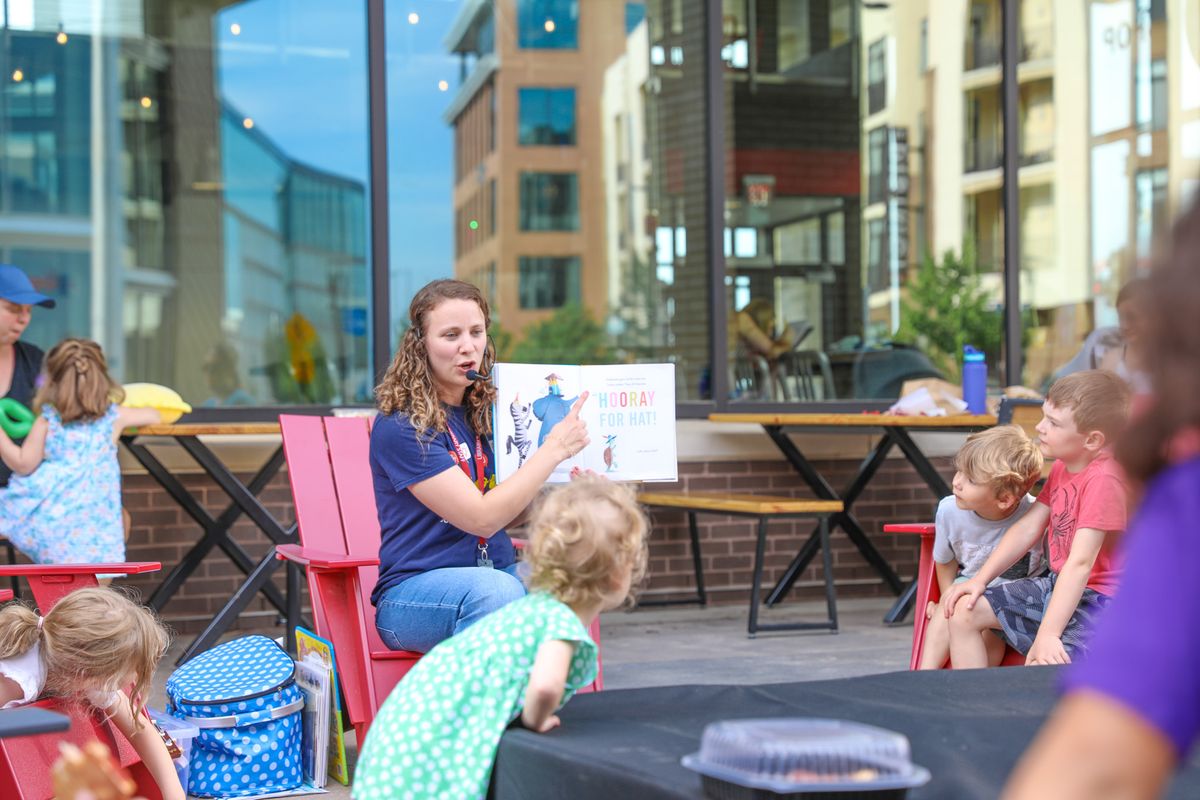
(521, 424)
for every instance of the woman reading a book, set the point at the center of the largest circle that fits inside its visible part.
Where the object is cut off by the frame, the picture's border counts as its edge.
(445, 560)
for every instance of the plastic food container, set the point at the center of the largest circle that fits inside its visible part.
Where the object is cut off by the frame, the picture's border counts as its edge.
(183, 733)
(803, 758)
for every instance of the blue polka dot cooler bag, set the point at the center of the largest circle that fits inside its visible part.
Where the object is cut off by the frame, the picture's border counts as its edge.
(243, 697)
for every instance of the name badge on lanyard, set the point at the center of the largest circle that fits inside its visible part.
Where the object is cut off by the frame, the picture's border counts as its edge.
(462, 458)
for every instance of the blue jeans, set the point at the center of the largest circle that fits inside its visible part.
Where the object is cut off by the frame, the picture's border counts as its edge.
(435, 605)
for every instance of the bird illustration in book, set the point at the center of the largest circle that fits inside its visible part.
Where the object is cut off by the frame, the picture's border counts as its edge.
(553, 408)
(520, 435)
(610, 459)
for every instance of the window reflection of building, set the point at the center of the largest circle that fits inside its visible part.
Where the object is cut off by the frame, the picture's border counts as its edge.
(590, 164)
(518, 118)
(119, 194)
(1103, 160)
(293, 244)
(792, 149)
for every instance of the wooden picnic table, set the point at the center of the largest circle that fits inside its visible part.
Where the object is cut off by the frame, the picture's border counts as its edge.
(895, 433)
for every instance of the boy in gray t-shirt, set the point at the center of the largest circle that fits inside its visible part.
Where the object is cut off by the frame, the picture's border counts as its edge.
(995, 469)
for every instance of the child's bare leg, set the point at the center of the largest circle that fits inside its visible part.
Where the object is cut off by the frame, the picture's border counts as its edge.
(936, 648)
(995, 648)
(968, 629)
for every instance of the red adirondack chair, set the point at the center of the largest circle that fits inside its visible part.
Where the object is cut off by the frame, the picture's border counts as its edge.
(928, 590)
(25, 761)
(5, 595)
(49, 582)
(330, 473)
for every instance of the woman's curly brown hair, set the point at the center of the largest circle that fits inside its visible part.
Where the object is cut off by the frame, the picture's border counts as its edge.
(407, 386)
(1171, 344)
(581, 535)
(77, 383)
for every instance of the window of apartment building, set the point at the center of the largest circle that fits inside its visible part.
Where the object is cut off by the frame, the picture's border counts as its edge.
(549, 201)
(1152, 94)
(1152, 219)
(546, 116)
(548, 24)
(923, 54)
(492, 207)
(877, 272)
(877, 165)
(548, 281)
(877, 76)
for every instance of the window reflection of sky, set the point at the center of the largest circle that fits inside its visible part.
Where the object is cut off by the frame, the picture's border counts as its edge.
(298, 69)
(420, 146)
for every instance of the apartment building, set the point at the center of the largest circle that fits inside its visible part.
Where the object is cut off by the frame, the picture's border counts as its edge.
(529, 190)
(1109, 150)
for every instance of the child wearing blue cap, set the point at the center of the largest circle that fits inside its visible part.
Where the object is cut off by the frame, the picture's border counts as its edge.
(20, 362)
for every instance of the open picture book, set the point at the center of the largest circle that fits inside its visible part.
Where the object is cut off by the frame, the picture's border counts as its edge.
(630, 416)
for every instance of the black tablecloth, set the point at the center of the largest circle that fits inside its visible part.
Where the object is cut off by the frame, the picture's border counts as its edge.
(968, 728)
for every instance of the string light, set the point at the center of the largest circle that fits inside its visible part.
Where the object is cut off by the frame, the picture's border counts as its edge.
(235, 29)
(443, 86)
(18, 75)
(147, 102)
(414, 18)
(247, 123)
(61, 38)
(550, 26)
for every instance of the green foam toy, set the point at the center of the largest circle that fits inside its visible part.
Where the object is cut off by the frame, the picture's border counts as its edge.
(15, 419)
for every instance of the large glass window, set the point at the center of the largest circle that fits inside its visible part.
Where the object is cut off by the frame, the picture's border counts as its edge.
(547, 116)
(579, 151)
(1137, 109)
(548, 281)
(549, 24)
(191, 184)
(549, 201)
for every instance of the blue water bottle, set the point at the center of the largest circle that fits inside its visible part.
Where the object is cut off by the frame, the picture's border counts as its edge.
(974, 380)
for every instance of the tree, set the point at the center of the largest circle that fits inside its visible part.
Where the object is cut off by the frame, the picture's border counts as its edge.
(502, 340)
(946, 307)
(570, 336)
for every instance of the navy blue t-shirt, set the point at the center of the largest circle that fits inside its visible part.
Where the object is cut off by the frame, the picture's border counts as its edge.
(413, 539)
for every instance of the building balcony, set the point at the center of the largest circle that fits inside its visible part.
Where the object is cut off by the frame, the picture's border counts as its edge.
(983, 155)
(472, 30)
(1035, 169)
(485, 67)
(982, 53)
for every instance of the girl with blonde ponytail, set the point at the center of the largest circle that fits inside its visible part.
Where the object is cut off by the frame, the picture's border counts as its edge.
(445, 560)
(63, 504)
(440, 727)
(97, 648)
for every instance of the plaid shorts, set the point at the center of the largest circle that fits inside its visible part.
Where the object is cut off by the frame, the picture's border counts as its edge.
(1020, 606)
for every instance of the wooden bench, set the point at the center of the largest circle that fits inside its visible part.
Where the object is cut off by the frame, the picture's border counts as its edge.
(764, 508)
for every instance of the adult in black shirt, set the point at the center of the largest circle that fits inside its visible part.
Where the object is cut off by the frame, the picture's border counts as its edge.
(20, 362)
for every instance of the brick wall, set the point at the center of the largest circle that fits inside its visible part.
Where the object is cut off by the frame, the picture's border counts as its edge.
(895, 494)
(163, 532)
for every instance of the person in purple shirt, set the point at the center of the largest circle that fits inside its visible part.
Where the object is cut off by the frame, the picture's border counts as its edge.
(1131, 710)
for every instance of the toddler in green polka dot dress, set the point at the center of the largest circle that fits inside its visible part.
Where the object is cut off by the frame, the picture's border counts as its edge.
(437, 733)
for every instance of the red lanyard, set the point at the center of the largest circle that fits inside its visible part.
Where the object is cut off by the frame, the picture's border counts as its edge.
(481, 460)
(480, 478)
